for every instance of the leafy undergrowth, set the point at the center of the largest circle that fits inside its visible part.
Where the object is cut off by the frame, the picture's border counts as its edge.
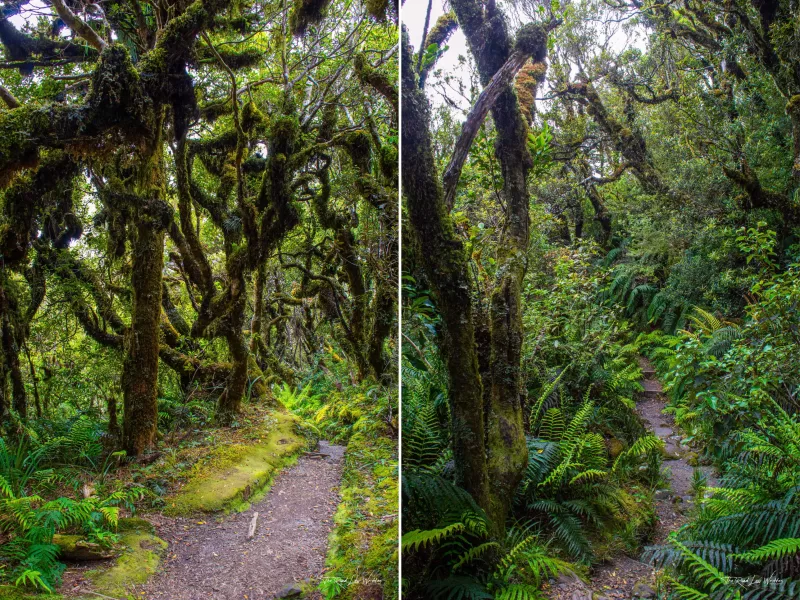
(362, 549)
(140, 553)
(239, 469)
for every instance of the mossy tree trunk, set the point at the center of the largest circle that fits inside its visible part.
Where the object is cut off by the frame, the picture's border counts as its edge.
(230, 402)
(507, 451)
(483, 355)
(445, 260)
(140, 366)
(11, 369)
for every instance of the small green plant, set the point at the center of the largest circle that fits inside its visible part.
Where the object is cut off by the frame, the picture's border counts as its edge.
(699, 484)
(331, 587)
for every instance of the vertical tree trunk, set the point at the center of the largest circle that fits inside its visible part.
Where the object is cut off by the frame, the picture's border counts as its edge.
(507, 451)
(384, 306)
(10, 351)
(140, 369)
(230, 402)
(445, 260)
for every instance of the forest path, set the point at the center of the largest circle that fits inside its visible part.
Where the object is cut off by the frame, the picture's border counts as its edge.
(627, 578)
(214, 560)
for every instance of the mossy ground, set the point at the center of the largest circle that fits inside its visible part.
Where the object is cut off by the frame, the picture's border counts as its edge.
(135, 566)
(362, 548)
(9, 592)
(232, 475)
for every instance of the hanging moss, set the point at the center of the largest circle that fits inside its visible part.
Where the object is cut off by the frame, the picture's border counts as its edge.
(441, 31)
(368, 75)
(30, 199)
(359, 147)
(377, 8)
(532, 41)
(330, 116)
(252, 117)
(284, 130)
(305, 13)
(212, 111)
(214, 152)
(249, 57)
(115, 101)
(388, 160)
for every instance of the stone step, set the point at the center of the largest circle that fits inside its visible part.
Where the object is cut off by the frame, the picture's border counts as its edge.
(646, 367)
(652, 388)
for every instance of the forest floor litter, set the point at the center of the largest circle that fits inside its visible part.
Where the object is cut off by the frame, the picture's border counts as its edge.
(624, 577)
(215, 557)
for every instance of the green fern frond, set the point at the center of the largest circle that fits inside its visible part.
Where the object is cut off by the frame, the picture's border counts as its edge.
(518, 591)
(772, 551)
(414, 540)
(474, 553)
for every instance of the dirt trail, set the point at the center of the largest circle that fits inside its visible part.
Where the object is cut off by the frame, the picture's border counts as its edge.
(624, 577)
(211, 558)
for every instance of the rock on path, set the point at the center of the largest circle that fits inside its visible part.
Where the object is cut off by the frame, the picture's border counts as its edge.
(212, 559)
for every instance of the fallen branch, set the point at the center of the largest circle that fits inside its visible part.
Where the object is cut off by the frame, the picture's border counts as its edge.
(316, 455)
(251, 531)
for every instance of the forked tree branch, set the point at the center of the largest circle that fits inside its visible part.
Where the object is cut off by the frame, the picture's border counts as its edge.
(475, 119)
(77, 25)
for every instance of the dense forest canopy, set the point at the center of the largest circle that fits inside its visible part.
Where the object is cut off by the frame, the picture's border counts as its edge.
(596, 181)
(197, 195)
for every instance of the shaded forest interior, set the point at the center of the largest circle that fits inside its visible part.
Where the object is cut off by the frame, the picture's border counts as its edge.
(198, 234)
(588, 185)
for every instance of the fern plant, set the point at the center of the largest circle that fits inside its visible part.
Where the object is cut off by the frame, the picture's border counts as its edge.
(749, 527)
(30, 520)
(461, 561)
(571, 488)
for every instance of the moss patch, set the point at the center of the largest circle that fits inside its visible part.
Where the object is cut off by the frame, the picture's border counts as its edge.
(137, 564)
(135, 524)
(9, 592)
(231, 476)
